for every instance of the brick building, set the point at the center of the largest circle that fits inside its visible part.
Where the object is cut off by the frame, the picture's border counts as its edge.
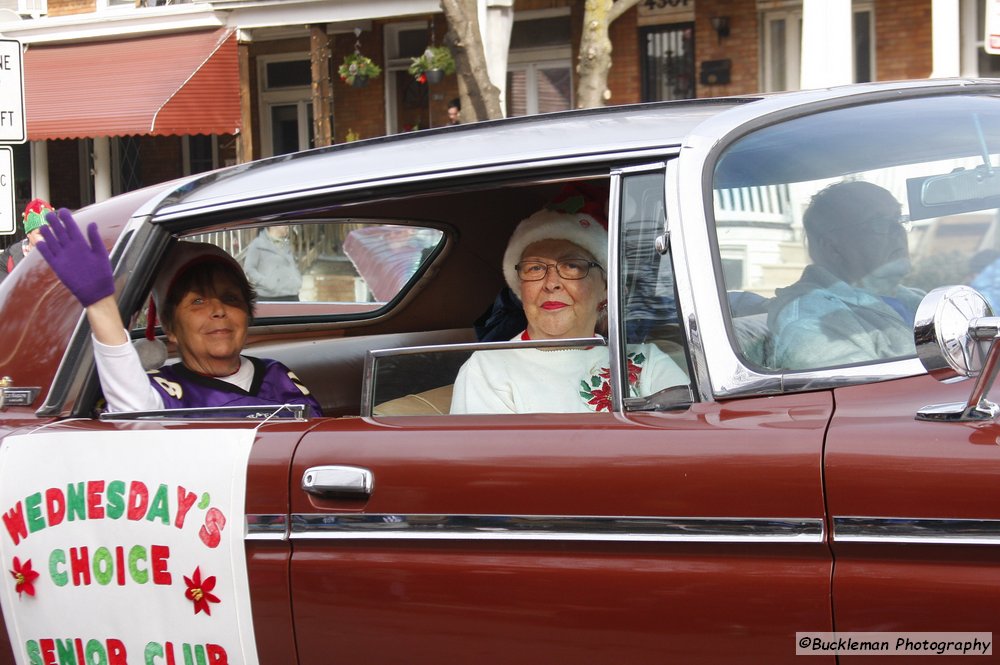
(243, 78)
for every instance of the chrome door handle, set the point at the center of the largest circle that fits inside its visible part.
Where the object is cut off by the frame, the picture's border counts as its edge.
(338, 480)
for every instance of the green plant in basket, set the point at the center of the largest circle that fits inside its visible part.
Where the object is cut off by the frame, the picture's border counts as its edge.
(433, 60)
(357, 68)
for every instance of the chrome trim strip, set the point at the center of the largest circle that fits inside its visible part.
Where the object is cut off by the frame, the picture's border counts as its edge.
(267, 526)
(558, 528)
(916, 530)
(612, 277)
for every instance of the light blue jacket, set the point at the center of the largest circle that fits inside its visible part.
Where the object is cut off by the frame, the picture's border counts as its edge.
(821, 321)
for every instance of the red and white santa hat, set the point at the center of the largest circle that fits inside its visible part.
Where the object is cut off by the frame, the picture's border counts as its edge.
(576, 215)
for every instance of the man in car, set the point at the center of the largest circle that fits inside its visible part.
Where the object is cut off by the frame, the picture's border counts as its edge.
(848, 306)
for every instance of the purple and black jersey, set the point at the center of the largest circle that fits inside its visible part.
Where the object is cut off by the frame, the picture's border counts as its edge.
(273, 383)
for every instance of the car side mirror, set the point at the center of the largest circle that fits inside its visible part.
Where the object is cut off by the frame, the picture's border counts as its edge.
(956, 336)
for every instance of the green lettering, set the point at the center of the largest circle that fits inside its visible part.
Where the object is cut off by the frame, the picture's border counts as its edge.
(34, 653)
(135, 555)
(159, 507)
(64, 651)
(153, 650)
(116, 499)
(76, 504)
(33, 507)
(56, 560)
(95, 653)
(104, 567)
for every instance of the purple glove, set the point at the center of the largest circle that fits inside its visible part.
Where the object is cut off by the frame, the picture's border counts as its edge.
(83, 267)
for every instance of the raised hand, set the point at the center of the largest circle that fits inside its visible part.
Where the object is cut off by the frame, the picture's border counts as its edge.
(82, 266)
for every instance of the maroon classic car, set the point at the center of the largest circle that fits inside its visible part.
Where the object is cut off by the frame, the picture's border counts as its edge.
(812, 476)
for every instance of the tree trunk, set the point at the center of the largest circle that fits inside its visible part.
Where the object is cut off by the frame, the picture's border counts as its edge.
(594, 61)
(322, 97)
(480, 98)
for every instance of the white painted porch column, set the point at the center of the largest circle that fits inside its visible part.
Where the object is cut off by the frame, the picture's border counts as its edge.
(496, 20)
(945, 38)
(40, 172)
(827, 43)
(102, 168)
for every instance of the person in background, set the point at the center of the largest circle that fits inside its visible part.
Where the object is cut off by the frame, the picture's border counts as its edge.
(554, 264)
(33, 219)
(205, 303)
(454, 112)
(270, 265)
(849, 305)
(984, 269)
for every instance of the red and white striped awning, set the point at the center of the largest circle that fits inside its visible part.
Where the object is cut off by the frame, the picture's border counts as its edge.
(170, 84)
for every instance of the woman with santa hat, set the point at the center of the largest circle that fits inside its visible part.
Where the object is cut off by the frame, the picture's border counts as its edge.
(555, 263)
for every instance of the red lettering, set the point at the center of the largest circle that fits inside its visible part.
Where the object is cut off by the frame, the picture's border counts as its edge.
(55, 506)
(48, 651)
(120, 565)
(95, 503)
(116, 652)
(170, 654)
(159, 555)
(185, 500)
(211, 533)
(79, 560)
(13, 519)
(138, 500)
(79, 650)
(216, 655)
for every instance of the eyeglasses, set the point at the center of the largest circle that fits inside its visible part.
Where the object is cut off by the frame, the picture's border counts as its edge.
(533, 271)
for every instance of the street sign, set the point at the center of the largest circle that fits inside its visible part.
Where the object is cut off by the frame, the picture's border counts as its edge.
(991, 41)
(8, 222)
(13, 125)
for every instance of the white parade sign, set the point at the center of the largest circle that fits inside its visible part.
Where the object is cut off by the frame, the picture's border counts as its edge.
(125, 547)
(13, 125)
(8, 220)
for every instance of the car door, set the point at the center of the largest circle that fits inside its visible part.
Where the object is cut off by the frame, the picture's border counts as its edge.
(914, 507)
(692, 535)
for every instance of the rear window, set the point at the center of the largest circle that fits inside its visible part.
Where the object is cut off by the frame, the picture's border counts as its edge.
(327, 268)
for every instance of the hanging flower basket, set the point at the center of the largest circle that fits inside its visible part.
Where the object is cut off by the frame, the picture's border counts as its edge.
(432, 65)
(357, 69)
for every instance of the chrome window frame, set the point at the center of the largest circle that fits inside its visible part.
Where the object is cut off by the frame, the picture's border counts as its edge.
(720, 370)
(368, 384)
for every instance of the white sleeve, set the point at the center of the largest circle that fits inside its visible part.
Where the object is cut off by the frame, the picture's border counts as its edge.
(125, 383)
(660, 372)
(474, 393)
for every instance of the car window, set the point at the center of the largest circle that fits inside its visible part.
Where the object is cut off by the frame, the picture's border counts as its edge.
(540, 376)
(354, 267)
(832, 227)
(654, 356)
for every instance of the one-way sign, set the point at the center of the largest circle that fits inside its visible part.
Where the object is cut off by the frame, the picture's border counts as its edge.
(13, 126)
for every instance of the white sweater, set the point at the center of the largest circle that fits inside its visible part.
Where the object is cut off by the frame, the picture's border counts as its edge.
(557, 380)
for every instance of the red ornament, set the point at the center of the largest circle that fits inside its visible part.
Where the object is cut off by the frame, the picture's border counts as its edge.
(422, 78)
(25, 577)
(200, 592)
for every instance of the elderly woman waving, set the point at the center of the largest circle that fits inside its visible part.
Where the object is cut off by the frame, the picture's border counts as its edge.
(555, 263)
(205, 304)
